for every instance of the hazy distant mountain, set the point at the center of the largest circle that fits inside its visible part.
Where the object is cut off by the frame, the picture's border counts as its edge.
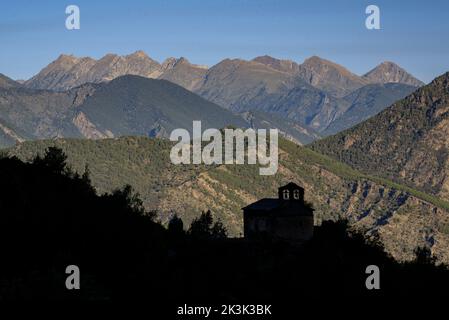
(235, 83)
(329, 76)
(183, 73)
(301, 102)
(133, 105)
(367, 102)
(288, 66)
(407, 142)
(128, 105)
(35, 114)
(68, 71)
(315, 94)
(390, 72)
(254, 86)
(63, 73)
(6, 82)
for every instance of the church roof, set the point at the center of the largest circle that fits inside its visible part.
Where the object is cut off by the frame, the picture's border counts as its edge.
(269, 204)
(264, 204)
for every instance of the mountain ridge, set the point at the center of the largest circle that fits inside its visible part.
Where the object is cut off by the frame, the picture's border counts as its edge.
(330, 76)
(311, 70)
(310, 97)
(406, 142)
(127, 105)
(389, 72)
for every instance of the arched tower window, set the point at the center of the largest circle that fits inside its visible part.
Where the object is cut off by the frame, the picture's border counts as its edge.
(285, 194)
(296, 195)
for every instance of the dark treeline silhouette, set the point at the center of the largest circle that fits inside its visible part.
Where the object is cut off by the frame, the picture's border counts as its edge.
(51, 217)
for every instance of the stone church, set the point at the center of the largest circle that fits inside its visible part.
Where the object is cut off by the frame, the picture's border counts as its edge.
(287, 217)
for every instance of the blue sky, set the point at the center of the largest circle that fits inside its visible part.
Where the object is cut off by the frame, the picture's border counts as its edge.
(413, 34)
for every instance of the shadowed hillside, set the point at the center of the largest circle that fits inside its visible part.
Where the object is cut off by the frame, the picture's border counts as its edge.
(133, 105)
(52, 217)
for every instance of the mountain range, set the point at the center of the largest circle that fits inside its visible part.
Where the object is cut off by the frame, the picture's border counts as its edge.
(305, 101)
(127, 105)
(314, 93)
(68, 71)
(387, 174)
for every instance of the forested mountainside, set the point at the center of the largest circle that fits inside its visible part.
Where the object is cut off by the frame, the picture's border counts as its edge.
(402, 218)
(407, 142)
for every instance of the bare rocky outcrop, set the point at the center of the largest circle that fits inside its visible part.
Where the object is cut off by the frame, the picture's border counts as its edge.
(88, 129)
(10, 133)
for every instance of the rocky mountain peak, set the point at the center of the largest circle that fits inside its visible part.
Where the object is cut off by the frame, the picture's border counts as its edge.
(288, 66)
(322, 65)
(329, 76)
(389, 71)
(66, 58)
(182, 60)
(266, 59)
(168, 63)
(63, 62)
(108, 57)
(138, 54)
